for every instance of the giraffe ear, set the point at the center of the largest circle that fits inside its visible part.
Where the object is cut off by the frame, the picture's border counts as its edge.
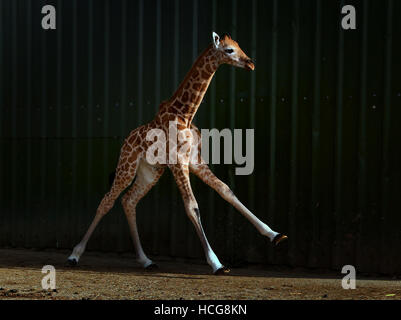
(216, 39)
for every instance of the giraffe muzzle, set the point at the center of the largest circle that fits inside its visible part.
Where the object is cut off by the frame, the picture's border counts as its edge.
(249, 65)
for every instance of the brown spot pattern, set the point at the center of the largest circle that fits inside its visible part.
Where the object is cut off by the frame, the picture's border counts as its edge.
(205, 75)
(196, 86)
(185, 97)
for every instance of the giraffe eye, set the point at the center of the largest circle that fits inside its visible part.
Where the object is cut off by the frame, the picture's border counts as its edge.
(229, 51)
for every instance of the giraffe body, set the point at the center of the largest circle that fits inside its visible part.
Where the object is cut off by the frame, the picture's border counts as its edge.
(179, 109)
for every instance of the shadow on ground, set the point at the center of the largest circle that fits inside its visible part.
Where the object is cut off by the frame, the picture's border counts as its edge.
(125, 263)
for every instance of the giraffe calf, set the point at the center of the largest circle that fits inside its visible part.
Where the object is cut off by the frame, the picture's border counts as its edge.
(135, 171)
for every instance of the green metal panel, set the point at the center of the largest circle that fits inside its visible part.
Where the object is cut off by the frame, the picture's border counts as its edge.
(324, 104)
(293, 154)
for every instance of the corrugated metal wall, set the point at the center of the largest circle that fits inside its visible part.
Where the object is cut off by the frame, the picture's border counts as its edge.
(325, 104)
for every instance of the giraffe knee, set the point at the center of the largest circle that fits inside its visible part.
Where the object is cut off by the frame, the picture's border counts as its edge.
(225, 190)
(196, 215)
(128, 204)
(197, 212)
(125, 200)
(104, 208)
(106, 204)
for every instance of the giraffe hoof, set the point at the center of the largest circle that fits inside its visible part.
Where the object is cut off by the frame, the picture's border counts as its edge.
(222, 271)
(278, 238)
(72, 261)
(152, 267)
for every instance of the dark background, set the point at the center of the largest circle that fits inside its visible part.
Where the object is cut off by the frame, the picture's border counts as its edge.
(325, 105)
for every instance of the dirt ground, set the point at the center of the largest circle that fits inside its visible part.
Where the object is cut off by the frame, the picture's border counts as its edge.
(114, 276)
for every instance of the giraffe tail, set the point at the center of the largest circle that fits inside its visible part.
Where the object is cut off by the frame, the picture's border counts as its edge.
(112, 176)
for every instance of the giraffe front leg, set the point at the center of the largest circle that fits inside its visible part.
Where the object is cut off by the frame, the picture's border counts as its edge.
(181, 176)
(206, 175)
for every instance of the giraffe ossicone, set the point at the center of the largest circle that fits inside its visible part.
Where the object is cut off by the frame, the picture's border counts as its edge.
(180, 108)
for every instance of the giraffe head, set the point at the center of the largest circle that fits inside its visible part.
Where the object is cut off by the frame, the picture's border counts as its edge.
(231, 53)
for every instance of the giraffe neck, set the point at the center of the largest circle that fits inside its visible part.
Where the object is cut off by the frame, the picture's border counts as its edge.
(189, 95)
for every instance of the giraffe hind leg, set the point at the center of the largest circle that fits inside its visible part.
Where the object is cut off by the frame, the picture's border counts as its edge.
(122, 180)
(146, 177)
(206, 175)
